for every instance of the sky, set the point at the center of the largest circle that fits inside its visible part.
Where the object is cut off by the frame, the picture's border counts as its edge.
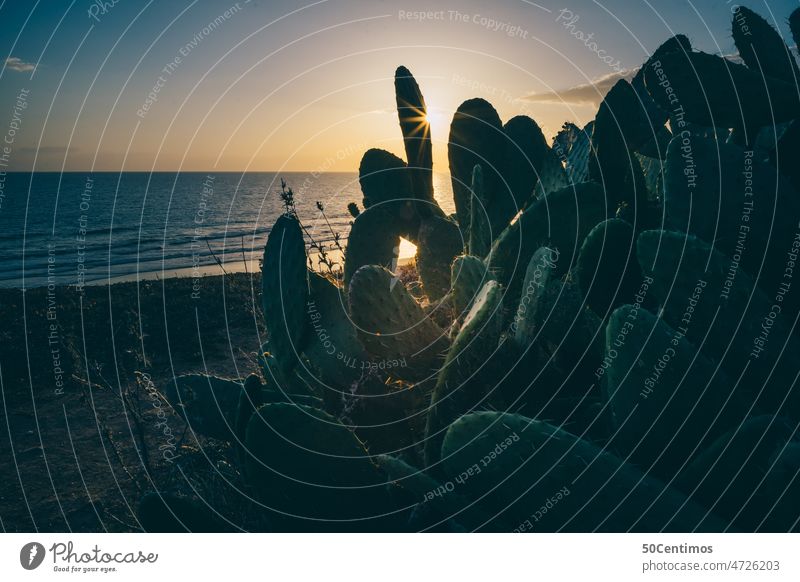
(256, 85)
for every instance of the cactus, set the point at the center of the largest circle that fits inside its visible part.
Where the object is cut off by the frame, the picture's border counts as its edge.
(560, 220)
(524, 464)
(440, 241)
(334, 348)
(741, 476)
(727, 319)
(667, 401)
(607, 271)
(250, 398)
(384, 179)
(468, 275)
(526, 153)
(480, 231)
(352, 208)
(794, 26)
(374, 240)
(621, 126)
(716, 92)
(540, 273)
(393, 326)
(734, 201)
(284, 282)
(311, 471)
(577, 161)
(467, 375)
(476, 137)
(761, 47)
(416, 130)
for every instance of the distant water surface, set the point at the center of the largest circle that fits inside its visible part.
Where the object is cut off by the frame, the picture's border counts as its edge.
(78, 228)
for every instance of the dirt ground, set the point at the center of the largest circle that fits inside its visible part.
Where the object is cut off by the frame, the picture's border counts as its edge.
(80, 438)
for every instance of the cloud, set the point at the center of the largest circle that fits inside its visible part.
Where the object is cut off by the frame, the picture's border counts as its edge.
(17, 64)
(587, 94)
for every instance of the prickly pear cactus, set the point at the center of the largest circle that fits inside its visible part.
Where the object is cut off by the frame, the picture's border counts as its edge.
(480, 231)
(393, 327)
(468, 275)
(384, 178)
(526, 150)
(416, 130)
(374, 240)
(740, 476)
(540, 273)
(667, 401)
(333, 348)
(467, 377)
(284, 290)
(717, 92)
(621, 126)
(607, 271)
(304, 465)
(761, 47)
(440, 241)
(531, 476)
(794, 25)
(476, 137)
(725, 317)
(560, 220)
(725, 196)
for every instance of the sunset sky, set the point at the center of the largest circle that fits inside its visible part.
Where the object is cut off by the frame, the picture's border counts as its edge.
(290, 86)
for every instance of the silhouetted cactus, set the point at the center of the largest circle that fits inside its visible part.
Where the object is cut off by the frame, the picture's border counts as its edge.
(393, 326)
(523, 464)
(416, 130)
(761, 47)
(468, 275)
(668, 402)
(467, 375)
(284, 282)
(480, 231)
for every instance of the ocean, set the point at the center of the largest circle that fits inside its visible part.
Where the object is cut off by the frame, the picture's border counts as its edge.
(79, 228)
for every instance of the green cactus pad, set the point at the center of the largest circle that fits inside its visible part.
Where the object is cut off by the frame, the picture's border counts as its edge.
(393, 327)
(467, 275)
(311, 471)
(577, 160)
(532, 476)
(375, 239)
(416, 136)
(250, 398)
(560, 220)
(794, 26)
(716, 92)
(476, 137)
(440, 241)
(761, 47)
(467, 376)
(667, 401)
(728, 319)
(526, 150)
(480, 231)
(540, 273)
(621, 126)
(333, 348)
(742, 477)
(607, 271)
(726, 196)
(384, 178)
(284, 282)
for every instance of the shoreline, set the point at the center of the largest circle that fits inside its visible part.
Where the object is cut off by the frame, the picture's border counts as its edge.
(214, 270)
